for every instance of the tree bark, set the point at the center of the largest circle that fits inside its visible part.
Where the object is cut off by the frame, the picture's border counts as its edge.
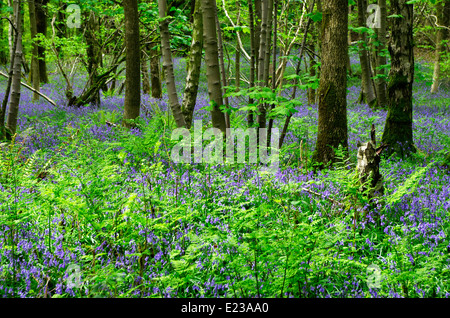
(237, 69)
(222, 64)
(253, 51)
(367, 90)
(442, 13)
(261, 118)
(332, 127)
(34, 52)
(133, 52)
(193, 67)
(168, 65)
(380, 82)
(93, 52)
(146, 89)
(13, 111)
(398, 132)
(212, 64)
(41, 25)
(155, 75)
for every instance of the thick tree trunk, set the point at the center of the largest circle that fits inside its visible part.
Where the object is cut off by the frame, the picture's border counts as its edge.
(380, 82)
(367, 91)
(332, 129)
(194, 64)
(443, 17)
(34, 57)
(41, 25)
(155, 74)
(398, 129)
(212, 64)
(168, 65)
(133, 53)
(13, 111)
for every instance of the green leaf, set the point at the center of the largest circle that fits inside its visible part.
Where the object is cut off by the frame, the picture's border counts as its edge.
(315, 16)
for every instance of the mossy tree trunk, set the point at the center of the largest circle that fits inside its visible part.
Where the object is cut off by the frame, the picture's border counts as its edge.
(146, 88)
(34, 75)
(13, 111)
(398, 133)
(133, 53)
(93, 53)
(380, 81)
(168, 65)
(212, 64)
(367, 90)
(41, 26)
(263, 46)
(253, 51)
(443, 18)
(193, 67)
(332, 127)
(155, 74)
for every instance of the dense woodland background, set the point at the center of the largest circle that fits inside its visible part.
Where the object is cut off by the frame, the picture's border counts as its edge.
(93, 206)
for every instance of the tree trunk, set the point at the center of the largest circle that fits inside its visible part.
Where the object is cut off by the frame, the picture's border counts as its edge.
(144, 71)
(332, 127)
(212, 64)
(168, 65)
(398, 132)
(367, 90)
(443, 17)
(11, 32)
(93, 53)
(155, 75)
(133, 52)
(268, 43)
(253, 45)
(34, 75)
(193, 67)
(13, 111)
(261, 118)
(237, 69)
(222, 64)
(380, 82)
(41, 25)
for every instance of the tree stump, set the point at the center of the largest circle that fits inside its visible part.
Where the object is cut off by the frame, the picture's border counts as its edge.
(369, 169)
(369, 157)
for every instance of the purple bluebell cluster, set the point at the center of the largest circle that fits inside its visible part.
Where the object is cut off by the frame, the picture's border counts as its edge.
(215, 231)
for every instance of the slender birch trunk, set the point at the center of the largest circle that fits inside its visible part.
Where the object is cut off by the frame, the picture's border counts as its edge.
(168, 65)
(212, 64)
(13, 111)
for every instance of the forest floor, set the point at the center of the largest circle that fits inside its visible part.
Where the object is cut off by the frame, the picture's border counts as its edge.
(88, 209)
